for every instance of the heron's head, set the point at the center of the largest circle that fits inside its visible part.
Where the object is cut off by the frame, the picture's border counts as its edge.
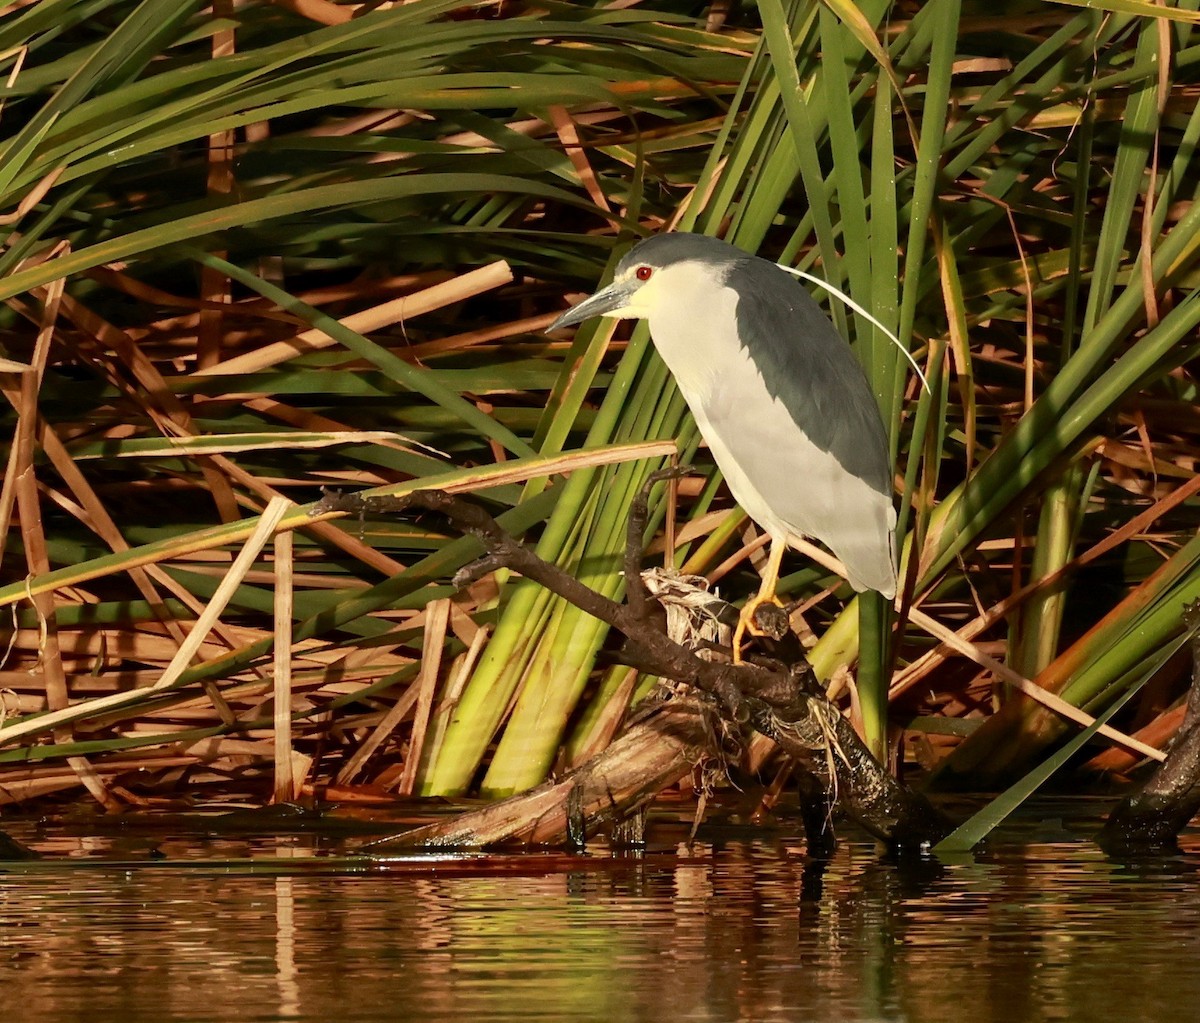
(651, 269)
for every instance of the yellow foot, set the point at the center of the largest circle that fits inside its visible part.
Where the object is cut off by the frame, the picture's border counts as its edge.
(746, 622)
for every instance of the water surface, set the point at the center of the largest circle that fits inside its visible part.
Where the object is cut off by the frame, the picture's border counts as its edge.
(1042, 926)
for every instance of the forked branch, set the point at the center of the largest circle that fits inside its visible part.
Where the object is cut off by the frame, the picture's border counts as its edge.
(785, 703)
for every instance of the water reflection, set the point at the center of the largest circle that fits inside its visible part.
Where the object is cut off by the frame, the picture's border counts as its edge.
(1037, 931)
(286, 974)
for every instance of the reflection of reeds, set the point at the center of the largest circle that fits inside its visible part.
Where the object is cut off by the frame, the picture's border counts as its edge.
(406, 195)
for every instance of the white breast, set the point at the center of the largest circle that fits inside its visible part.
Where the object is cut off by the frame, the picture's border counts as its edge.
(695, 348)
(703, 353)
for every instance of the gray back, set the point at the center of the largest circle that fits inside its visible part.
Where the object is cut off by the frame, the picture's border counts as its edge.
(810, 369)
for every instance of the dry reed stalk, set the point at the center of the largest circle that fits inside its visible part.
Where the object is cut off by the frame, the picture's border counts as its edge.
(19, 681)
(357, 290)
(696, 529)
(1158, 732)
(182, 426)
(223, 752)
(19, 55)
(103, 525)
(909, 676)
(20, 783)
(154, 297)
(438, 619)
(381, 660)
(460, 288)
(358, 683)
(141, 644)
(386, 119)
(470, 339)
(40, 783)
(343, 675)
(206, 566)
(748, 550)
(386, 726)
(306, 419)
(159, 401)
(267, 524)
(320, 11)
(218, 444)
(301, 765)
(285, 783)
(33, 538)
(191, 711)
(33, 197)
(461, 623)
(94, 784)
(8, 489)
(220, 705)
(568, 135)
(535, 127)
(460, 671)
(1031, 689)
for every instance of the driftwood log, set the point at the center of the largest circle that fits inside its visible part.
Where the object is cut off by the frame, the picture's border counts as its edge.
(666, 739)
(1150, 819)
(660, 747)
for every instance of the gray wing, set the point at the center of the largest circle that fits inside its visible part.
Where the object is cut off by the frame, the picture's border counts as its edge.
(811, 370)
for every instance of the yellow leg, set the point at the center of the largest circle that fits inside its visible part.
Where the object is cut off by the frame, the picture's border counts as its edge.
(766, 595)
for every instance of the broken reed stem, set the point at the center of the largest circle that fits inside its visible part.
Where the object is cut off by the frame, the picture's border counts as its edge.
(438, 612)
(271, 517)
(285, 782)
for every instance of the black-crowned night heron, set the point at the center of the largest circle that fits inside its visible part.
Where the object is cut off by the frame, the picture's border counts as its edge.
(777, 394)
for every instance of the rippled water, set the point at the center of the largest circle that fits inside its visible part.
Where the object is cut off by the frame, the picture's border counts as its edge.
(1042, 927)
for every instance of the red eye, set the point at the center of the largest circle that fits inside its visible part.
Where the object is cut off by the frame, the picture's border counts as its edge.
(644, 273)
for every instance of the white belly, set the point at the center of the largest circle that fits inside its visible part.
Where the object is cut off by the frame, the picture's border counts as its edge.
(784, 482)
